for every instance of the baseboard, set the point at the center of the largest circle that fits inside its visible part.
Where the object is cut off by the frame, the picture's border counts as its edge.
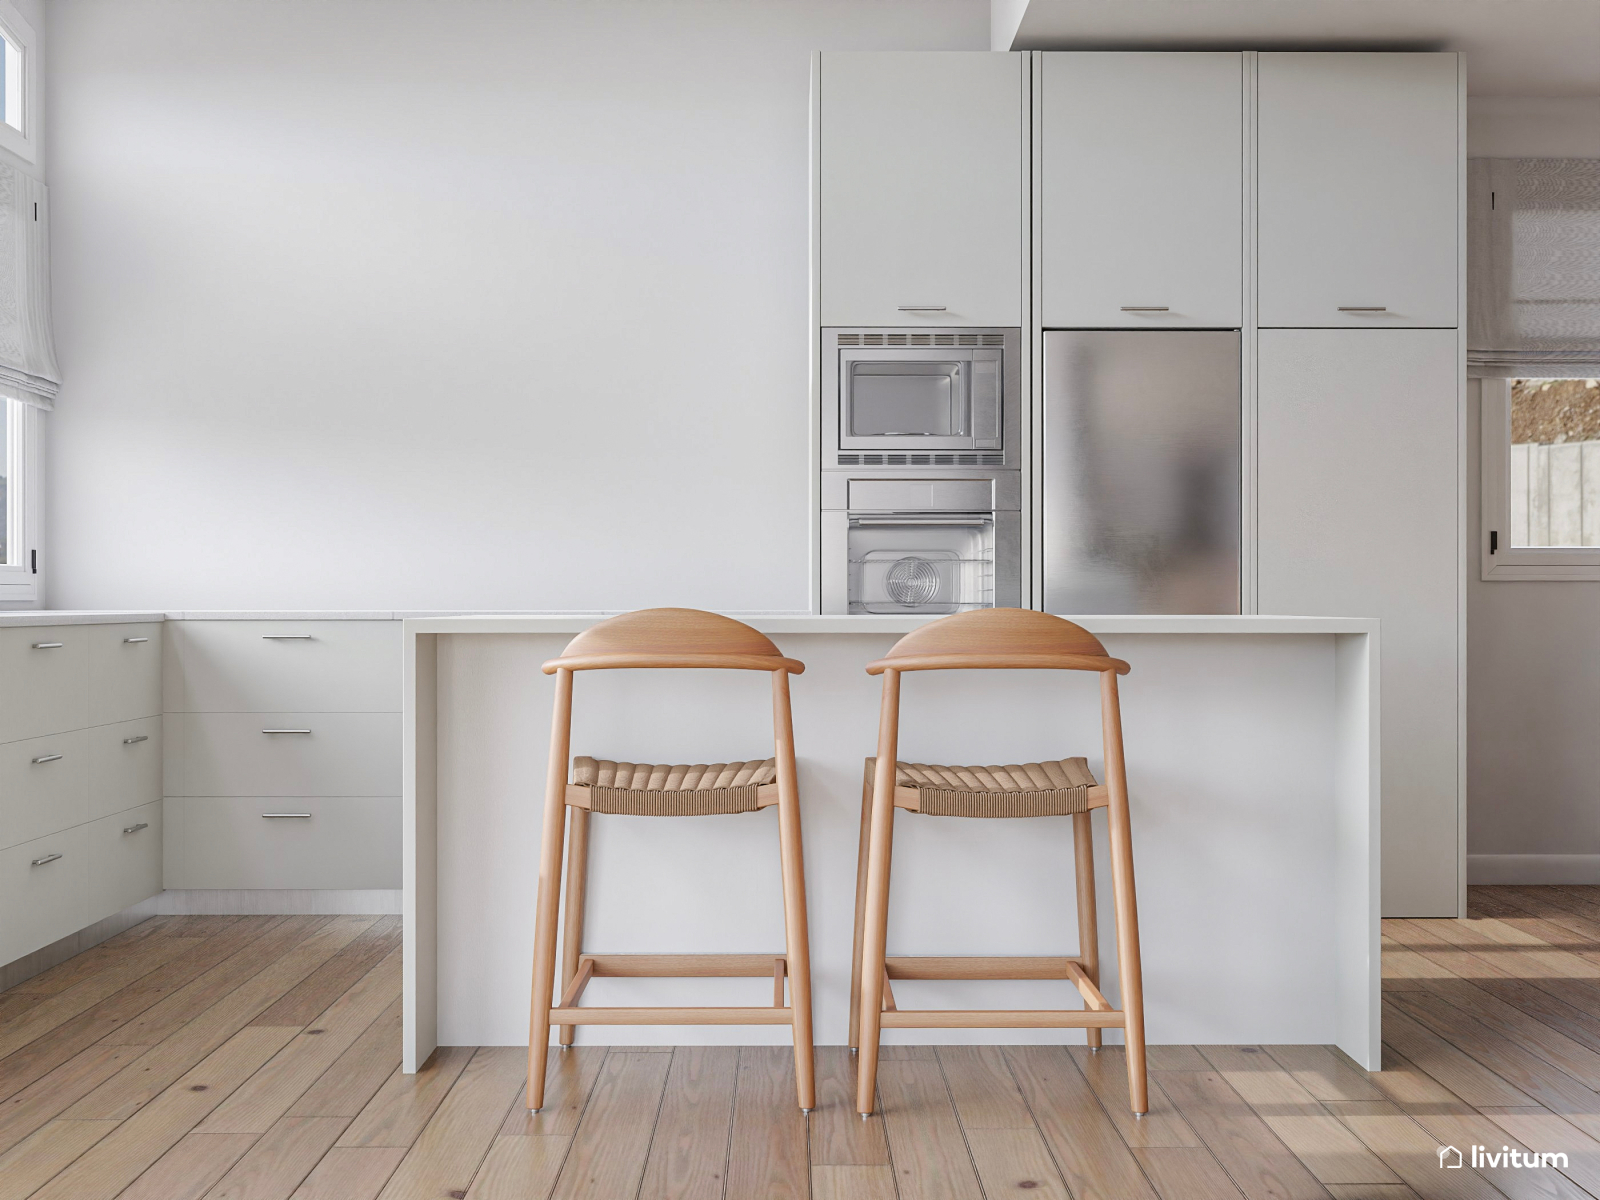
(1533, 868)
(264, 901)
(25, 968)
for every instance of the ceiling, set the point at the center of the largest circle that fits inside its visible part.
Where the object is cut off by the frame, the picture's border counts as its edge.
(1513, 47)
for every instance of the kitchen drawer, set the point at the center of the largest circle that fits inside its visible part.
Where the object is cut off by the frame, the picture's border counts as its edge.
(232, 754)
(40, 797)
(124, 766)
(277, 666)
(41, 892)
(43, 680)
(226, 842)
(124, 672)
(123, 853)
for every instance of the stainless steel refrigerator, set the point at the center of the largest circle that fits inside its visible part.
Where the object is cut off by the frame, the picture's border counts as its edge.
(1142, 440)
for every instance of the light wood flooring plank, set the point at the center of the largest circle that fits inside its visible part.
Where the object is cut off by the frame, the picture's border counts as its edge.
(30, 1165)
(769, 1157)
(1372, 1191)
(273, 1090)
(1096, 1163)
(839, 1137)
(1174, 1058)
(451, 1147)
(689, 1152)
(1318, 1138)
(305, 1002)
(521, 1167)
(351, 1173)
(1411, 1151)
(275, 1166)
(857, 1182)
(1454, 1068)
(1186, 1173)
(405, 1103)
(356, 1075)
(1544, 1131)
(568, 1079)
(1254, 1157)
(124, 1154)
(146, 1076)
(46, 1099)
(981, 1086)
(1015, 1160)
(608, 1152)
(190, 1168)
(1107, 1073)
(930, 1154)
(1325, 1072)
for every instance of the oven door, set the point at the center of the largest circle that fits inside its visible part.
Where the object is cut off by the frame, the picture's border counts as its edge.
(921, 399)
(921, 563)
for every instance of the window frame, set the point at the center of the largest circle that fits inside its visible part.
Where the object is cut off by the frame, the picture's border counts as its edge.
(24, 142)
(1549, 563)
(19, 581)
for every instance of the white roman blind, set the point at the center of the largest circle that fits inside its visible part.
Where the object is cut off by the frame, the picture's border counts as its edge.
(27, 346)
(1533, 267)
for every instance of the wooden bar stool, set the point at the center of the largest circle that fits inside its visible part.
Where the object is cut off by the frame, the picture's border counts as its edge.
(996, 638)
(666, 637)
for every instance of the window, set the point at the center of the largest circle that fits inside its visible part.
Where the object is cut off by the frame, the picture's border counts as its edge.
(19, 84)
(19, 424)
(1541, 478)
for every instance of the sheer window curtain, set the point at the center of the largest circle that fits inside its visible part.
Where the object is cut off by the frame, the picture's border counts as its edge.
(28, 368)
(1533, 267)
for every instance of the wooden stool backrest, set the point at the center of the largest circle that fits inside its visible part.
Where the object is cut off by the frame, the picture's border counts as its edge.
(998, 639)
(672, 637)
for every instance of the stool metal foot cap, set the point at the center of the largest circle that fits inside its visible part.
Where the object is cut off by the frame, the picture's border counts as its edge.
(536, 1110)
(1094, 1049)
(808, 1110)
(854, 1050)
(1138, 1116)
(866, 1116)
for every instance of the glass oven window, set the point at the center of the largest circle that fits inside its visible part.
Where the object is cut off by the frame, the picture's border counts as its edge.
(927, 565)
(907, 399)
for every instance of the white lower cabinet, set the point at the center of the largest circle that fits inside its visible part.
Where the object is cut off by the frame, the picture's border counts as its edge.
(122, 853)
(124, 766)
(43, 785)
(42, 891)
(283, 842)
(284, 754)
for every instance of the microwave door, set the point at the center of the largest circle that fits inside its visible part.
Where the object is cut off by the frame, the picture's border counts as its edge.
(905, 401)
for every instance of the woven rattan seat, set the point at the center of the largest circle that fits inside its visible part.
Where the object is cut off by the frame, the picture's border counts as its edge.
(677, 790)
(1041, 789)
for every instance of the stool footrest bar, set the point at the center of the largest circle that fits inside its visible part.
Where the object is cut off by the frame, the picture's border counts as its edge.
(671, 1016)
(982, 968)
(959, 1018)
(682, 966)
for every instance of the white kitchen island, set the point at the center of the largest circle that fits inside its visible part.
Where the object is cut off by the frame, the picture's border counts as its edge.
(1252, 747)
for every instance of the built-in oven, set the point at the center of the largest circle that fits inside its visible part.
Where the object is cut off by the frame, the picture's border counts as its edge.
(927, 546)
(898, 397)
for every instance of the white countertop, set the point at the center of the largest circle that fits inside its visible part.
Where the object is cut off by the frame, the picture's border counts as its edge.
(22, 616)
(807, 623)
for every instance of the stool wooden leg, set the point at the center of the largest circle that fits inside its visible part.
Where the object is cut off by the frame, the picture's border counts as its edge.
(1088, 924)
(795, 929)
(875, 930)
(861, 908)
(577, 894)
(547, 906)
(1121, 839)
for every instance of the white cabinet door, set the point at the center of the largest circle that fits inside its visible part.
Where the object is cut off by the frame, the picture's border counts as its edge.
(922, 158)
(43, 680)
(44, 785)
(274, 666)
(124, 672)
(123, 855)
(124, 766)
(1358, 189)
(42, 885)
(1359, 518)
(283, 754)
(226, 842)
(1142, 190)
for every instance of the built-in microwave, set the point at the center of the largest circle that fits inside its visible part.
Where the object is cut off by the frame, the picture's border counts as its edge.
(898, 397)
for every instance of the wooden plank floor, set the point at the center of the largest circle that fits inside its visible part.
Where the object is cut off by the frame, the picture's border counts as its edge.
(257, 1058)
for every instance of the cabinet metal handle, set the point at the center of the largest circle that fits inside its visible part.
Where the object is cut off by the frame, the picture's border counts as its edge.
(287, 637)
(48, 858)
(922, 308)
(1145, 308)
(143, 737)
(286, 731)
(48, 645)
(44, 758)
(281, 816)
(136, 828)
(1362, 308)
(133, 641)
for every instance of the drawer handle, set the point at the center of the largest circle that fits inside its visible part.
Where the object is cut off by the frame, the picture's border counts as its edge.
(136, 828)
(48, 858)
(1362, 308)
(288, 637)
(282, 816)
(133, 641)
(48, 645)
(922, 308)
(44, 758)
(1145, 308)
(286, 731)
(142, 737)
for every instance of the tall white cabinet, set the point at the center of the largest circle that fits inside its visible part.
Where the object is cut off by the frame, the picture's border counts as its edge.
(922, 188)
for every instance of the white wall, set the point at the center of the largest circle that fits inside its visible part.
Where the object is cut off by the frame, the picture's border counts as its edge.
(422, 305)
